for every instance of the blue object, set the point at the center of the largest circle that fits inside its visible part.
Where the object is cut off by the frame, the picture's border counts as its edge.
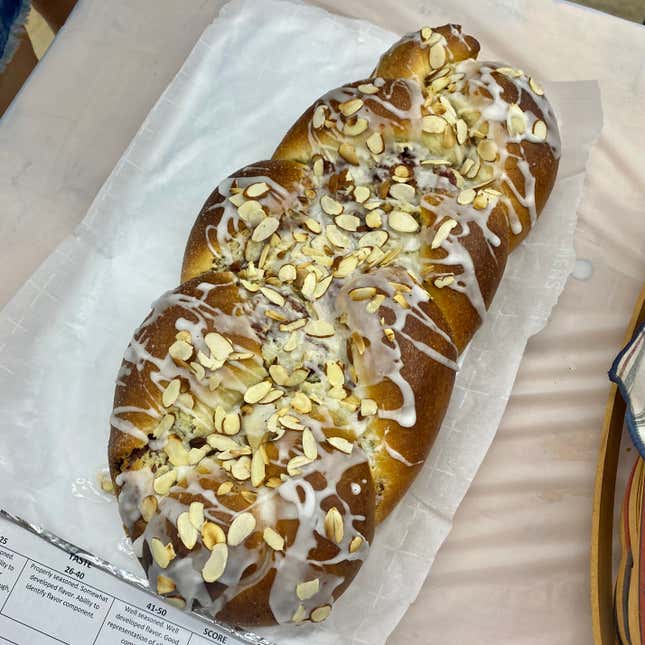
(13, 14)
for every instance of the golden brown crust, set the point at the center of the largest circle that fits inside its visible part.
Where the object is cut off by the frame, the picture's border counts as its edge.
(342, 278)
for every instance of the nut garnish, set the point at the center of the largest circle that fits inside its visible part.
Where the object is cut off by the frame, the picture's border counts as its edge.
(540, 130)
(373, 219)
(299, 615)
(319, 117)
(231, 423)
(350, 107)
(515, 120)
(466, 197)
(163, 483)
(362, 293)
(308, 589)
(241, 527)
(212, 534)
(320, 613)
(442, 232)
(536, 87)
(361, 194)
(196, 514)
(181, 350)
(273, 539)
(487, 150)
(402, 192)
(287, 273)
(171, 393)
(219, 345)
(216, 563)
(368, 88)
(319, 329)
(341, 444)
(348, 153)
(444, 281)
(165, 585)
(161, 554)
(402, 222)
(187, 532)
(257, 469)
(259, 189)
(347, 222)
(257, 391)
(375, 143)
(355, 544)
(224, 488)
(433, 124)
(309, 446)
(301, 403)
(330, 205)
(368, 407)
(354, 129)
(334, 525)
(265, 229)
(148, 507)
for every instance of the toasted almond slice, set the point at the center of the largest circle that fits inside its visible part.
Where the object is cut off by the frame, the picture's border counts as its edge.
(319, 117)
(356, 128)
(433, 124)
(435, 162)
(444, 281)
(290, 422)
(536, 87)
(273, 296)
(161, 554)
(487, 150)
(187, 532)
(237, 199)
(442, 232)
(375, 143)
(540, 130)
(440, 83)
(164, 482)
(308, 589)
(273, 539)
(265, 229)
(403, 192)
(369, 407)
(219, 345)
(515, 120)
(167, 421)
(373, 238)
(347, 222)
(335, 374)
(258, 391)
(361, 194)
(241, 468)
(355, 544)
(272, 396)
(165, 585)
(196, 514)
(466, 197)
(348, 153)
(330, 205)
(437, 56)
(401, 171)
(287, 273)
(368, 88)
(180, 350)
(336, 237)
(462, 131)
(341, 444)
(339, 393)
(362, 293)
(177, 454)
(250, 286)
(301, 403)
(216, 563)
(313, 225)
(299, 615)
(319, 167)
(148, 507)
(292, 342)
(251, 211)
(171, 393)
(296, 463)
(231, 423)
(334, 525)
(198, 370)
(373, 219)
(297, 377)
(257, 469)
(309, 446)
(241, 527)
(402, 222)
(309, 286)
(319, 329)
(350, 107)
(258, 189)
(213, 534)
(481, 201)
(346, 267)
(225, 488)
(222, 443)
(322, 286)
(425, 32)
(279, 374)
(320, 613)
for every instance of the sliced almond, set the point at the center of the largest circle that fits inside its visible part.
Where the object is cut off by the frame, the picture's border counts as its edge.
(466, 197)
(297, 377)
(362, 293)
(319, 329)
(336, 237)
(296, 463)
(348, 153)
(319, 117)
(231, 423)
(373, 238)
(355, 544)
(165, 585)
(346, 267)
(301, 403)
(290, 422)
(185, 336)
(356, 128)
(487, 150)
(219, 345)
(334, 372)
(462, 131)
(536, 87)
(330, 205)
(258, 471)
(437, 56)
(322, 286)
(241, 468)
(167, 422)
(225, 488)
(442, 232)
(164, 483)
(148, 507)
(515, 120)
(444, 281)
(350, 107)
(177, 454)
(187, 532)
(292, 342)
(273, 296)
(212, 534)
(216, 563)
(265, 229)
(341, 444)
(309, 446)
(222, 443)
(361, 194)
(334, 529)
(171, 393)
(540, 130)
(162, 554)
(402, 222)
(299, 615)
(180, 350)
(258, 391)
(241, 527)
(375, 143)
(369, 407)
(279, 374)
(313, 225)
(403, 192)
(273, 539)
(433, 124)
(319, 167)
(251, 211)
(308, 589)
(320, 613)
(287, 273)
(258, 189)
(347, 222)
(426, 33)
(373, 219)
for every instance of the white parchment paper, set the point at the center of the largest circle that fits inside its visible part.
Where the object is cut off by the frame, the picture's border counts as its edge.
(251, 74)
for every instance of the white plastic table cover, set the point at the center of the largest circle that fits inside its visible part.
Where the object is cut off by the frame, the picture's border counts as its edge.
(515, 567)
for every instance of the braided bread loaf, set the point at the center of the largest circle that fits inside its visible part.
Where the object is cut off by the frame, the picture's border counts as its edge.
(275, 407)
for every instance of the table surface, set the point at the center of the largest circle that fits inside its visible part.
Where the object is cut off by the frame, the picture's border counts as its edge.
(515, 567)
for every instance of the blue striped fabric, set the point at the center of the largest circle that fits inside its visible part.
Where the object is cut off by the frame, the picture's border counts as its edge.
(13, 14)
(628, 372)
